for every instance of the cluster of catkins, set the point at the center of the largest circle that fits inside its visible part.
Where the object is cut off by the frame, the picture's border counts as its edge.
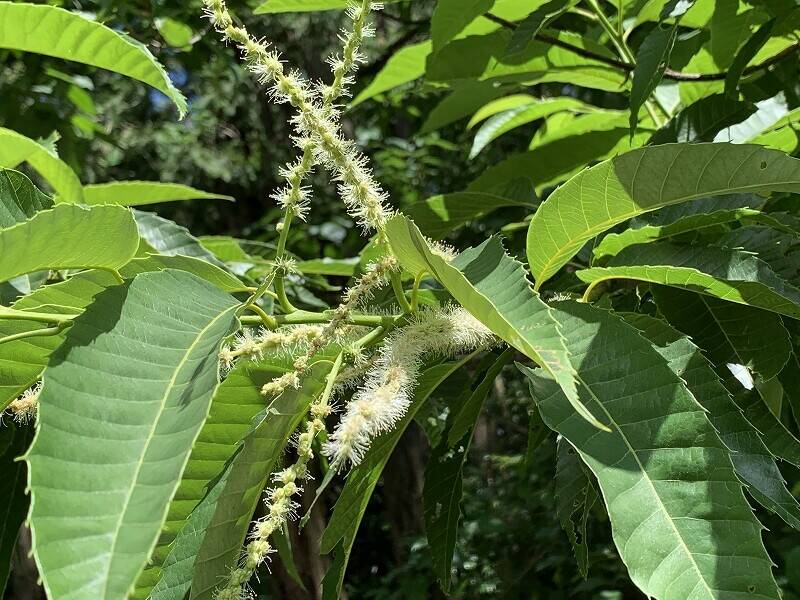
(389, 375)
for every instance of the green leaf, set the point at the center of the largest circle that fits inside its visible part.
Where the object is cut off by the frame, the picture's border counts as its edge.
(111, 443)
(753, 462)
(250, 470)
(56, 32)
(704, 119)
(482, 58)
(575, 496)
(545, 13)
(342, 267)
(641, 181)
(405, 65)
(69, 237)
(614, 243)
(439, 215)
(22, 361)
(215, 464)
(137, 193)
(284, 6)
(15, 148)
(730, 275)
(442, 491)
(652, 59)
(450, 17)
(176, 33)
(500, 105)
(728, 332)
(14, 441)
(559, 155)
(19, 198)
(205, 270)
(349, 509)
(461, 102)
(678, 515)
(510, 119)
(494, 288)
(745, 54)
(167, 237)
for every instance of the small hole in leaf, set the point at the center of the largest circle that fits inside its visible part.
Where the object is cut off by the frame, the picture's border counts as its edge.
(751, 588)
(763, 165)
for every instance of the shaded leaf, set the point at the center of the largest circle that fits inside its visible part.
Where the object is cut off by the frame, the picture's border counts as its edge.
(701, 121)
(19, 198)
(14, 441)
(652, 59)
(15, 148)
(730, 275)
(117, 458)
(527, 29)
(575, 496)
(250, 469)
(450, 17)
(661, 444)
(643, 180)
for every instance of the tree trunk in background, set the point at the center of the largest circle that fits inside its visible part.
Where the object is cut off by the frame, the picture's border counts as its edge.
(22, 581)
(403, 480)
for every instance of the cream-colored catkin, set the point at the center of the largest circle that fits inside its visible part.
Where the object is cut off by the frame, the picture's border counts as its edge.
(363, 197)
(375, 276)
(25, 408)
(386, 393)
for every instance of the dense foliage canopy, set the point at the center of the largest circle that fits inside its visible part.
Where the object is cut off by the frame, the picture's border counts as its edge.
(453, 299)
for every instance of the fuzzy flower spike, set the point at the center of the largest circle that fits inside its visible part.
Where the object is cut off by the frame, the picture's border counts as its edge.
(363, 197)
(388, 388)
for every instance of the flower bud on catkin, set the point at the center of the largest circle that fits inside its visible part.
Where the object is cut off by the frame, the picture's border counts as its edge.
(388, 387)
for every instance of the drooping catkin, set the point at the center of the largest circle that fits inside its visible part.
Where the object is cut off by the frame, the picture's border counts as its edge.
(317, 124)
(388, 388)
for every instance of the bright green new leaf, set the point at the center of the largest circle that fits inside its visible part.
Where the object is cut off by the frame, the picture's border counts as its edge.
(15, 148)
(510, 119)
(249, 473)
(494, 288)
(340, 534)
(439, 215)
(643, 180)
(176, 33)
(69, 237)
(19, 198)
(450, 17)
(123, 401)
(679, 538)
(137, 193)
(71, 36)
(730, 275)
(405, 65)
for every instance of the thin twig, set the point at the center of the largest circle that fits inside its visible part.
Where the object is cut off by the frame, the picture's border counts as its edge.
(626, 66)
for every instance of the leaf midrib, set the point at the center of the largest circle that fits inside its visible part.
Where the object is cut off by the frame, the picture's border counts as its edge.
(150, 436)
(646, 476)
